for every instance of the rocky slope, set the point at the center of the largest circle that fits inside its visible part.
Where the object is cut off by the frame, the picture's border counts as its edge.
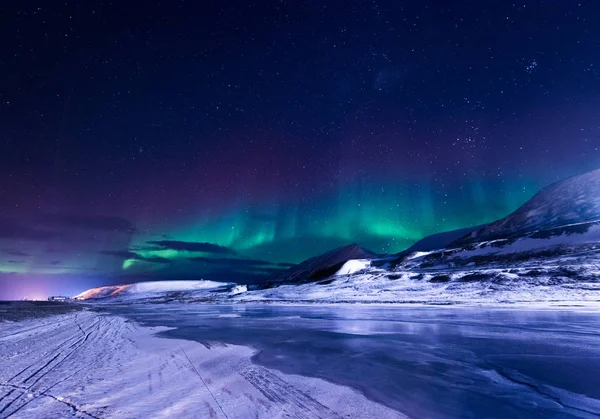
(438, 240)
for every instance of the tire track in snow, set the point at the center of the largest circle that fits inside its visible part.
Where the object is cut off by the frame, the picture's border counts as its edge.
(282, 393)
(44, 394)
(48, 367)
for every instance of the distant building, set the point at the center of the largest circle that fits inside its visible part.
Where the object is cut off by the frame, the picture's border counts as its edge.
(58, 298)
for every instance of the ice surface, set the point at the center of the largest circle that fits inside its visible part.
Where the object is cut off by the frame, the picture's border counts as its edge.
(426, 362)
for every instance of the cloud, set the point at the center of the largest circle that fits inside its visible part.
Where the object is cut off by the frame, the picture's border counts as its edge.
(49, 227)
(88, 222)
(126, 254)
(182, 246)
(13, 229)
(55, 263)
(123, 254)
(15, 252)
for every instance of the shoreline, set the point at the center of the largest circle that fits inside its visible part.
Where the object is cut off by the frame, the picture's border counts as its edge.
(518, 305)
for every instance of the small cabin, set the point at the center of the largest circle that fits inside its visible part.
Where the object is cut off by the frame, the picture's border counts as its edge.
(59, 298)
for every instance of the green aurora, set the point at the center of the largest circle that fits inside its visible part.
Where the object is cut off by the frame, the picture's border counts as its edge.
(385, 219)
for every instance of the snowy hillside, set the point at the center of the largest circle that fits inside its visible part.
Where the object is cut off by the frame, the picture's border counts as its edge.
(550, 285)
(154, 289)
(571, 201)
(557, 267)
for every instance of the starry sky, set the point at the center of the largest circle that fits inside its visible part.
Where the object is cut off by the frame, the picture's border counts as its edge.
(226, 140)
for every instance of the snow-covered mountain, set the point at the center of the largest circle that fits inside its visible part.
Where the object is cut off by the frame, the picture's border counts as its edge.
(555, 243)
(558, 223)
(323, 266)
(575, 200)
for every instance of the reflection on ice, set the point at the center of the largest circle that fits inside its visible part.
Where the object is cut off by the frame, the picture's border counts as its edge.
(372, 327)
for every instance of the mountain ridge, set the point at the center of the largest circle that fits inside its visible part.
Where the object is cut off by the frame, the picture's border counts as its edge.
(569, 201)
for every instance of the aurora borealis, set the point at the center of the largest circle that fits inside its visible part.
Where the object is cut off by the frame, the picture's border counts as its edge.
(226, 141)
(386, 218)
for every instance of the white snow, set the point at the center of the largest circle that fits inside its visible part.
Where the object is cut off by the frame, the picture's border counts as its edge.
(496, 286)
(417, 255)
(352, 266)
(149, 287)
(89, 365)
(239, 289)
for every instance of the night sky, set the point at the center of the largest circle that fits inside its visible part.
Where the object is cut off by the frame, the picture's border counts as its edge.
(225, 140)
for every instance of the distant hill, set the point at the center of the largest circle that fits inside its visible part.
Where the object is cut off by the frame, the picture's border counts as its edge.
(140, 289)
(322, 266)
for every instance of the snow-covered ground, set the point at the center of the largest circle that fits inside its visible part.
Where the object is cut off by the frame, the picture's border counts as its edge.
(91, 365)
(569, 279)
(501, 287)
(555, 267)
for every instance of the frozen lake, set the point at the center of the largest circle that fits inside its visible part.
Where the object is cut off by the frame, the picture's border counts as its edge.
(422, 361)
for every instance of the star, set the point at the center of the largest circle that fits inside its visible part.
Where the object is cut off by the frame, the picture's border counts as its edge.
(531, 66)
